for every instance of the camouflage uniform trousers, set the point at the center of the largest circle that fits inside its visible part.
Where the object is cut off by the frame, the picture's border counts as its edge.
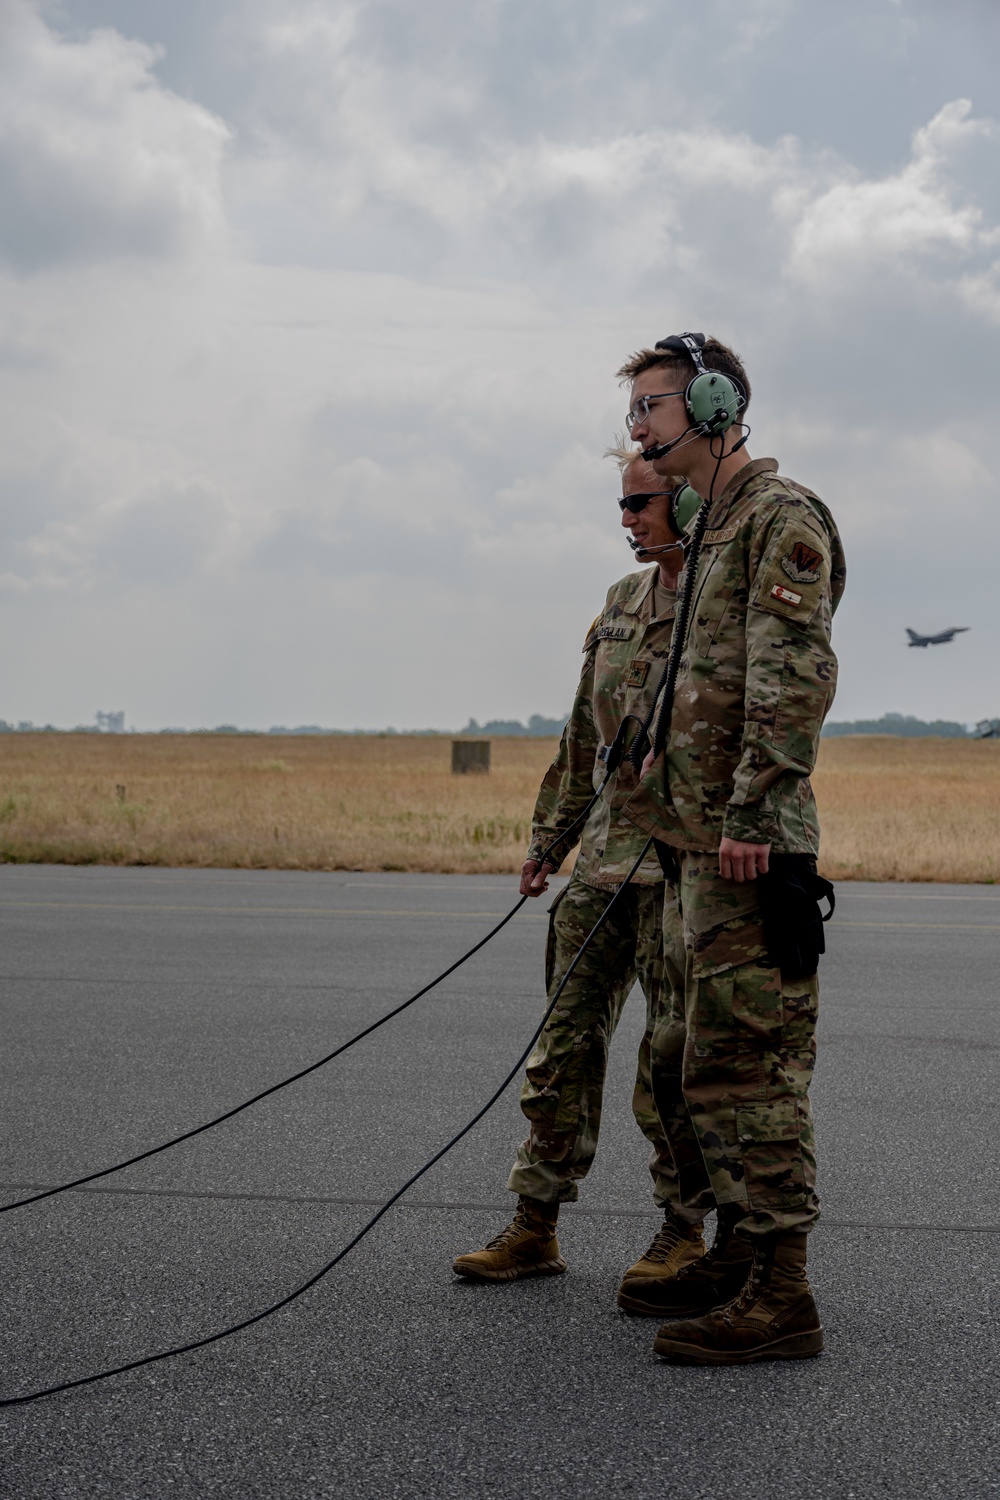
(733, 1060)
(564, 1085)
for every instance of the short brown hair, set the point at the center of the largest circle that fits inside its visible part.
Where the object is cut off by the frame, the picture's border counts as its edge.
(717, 356)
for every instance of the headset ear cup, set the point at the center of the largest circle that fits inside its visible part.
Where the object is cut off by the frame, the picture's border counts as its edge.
(685, 505)
(713, 402)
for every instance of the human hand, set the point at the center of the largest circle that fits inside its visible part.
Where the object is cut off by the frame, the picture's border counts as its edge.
(534, 877)
(740, 862)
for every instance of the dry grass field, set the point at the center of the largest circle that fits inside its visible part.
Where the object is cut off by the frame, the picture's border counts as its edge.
(902, 809)
(892, 809)
(298, 802)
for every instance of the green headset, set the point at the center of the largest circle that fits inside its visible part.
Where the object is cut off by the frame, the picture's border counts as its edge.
(685, 504)
(713, 400)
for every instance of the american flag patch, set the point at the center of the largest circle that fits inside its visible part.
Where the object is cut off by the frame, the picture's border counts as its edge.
(788, 595)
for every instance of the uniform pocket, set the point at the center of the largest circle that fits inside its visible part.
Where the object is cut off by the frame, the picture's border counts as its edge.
(769, 1137)
(710, 606)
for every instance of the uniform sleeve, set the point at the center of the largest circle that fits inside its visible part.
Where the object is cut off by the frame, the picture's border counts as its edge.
(568, 784)
(791, 671)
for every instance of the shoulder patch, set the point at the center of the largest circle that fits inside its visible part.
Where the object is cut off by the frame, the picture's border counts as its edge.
(803, 563)
(794, 575)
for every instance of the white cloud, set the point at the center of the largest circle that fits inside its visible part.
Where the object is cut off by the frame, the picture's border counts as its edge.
(356, 427)
(96, 157)
(858, 226)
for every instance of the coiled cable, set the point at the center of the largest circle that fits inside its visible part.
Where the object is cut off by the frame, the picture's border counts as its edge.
(267, 1312)
(187, 1135)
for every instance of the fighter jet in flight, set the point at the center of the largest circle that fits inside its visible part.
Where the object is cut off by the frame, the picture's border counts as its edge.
(941, 639)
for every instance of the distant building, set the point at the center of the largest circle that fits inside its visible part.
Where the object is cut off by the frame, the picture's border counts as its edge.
(112, 723)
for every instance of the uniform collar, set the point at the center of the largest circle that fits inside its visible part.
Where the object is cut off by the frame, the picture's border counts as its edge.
(724, 502)
(642, 594)
(643, 588)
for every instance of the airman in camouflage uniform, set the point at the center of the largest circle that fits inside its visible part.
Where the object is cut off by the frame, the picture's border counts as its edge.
(733, 1061)
(624, 654)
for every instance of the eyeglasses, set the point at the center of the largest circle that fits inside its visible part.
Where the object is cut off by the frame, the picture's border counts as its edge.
(639, 410)
(636, 503)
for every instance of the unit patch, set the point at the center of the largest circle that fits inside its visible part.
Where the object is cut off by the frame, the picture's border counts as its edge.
(615, 632)
(803, 564)
(787, 595)
(637, 674)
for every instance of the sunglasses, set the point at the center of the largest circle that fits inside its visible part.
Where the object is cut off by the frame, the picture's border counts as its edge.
(637, 503)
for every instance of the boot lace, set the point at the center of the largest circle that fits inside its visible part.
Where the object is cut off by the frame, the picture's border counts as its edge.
(665, 1241)
(697, 1267)
(745, 1299)
(519, 1224)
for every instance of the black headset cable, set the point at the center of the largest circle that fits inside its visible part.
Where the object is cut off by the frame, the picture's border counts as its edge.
(663, 698)
(258, 1317)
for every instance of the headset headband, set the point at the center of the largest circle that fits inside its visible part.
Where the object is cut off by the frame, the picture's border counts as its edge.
(690, 344)
(713, 399)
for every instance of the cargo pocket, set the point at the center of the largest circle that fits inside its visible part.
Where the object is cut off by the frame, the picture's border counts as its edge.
(769, 1137)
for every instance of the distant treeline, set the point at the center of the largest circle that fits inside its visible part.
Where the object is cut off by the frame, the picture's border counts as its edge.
(536, 725)
(904, 724)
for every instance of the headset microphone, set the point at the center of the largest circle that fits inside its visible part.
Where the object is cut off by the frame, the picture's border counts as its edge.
(660, 450)
(641, 551)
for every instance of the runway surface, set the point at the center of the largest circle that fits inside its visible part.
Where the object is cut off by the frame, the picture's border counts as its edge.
(136, 1003)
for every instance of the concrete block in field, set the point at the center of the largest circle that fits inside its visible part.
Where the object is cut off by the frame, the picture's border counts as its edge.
(469, 755)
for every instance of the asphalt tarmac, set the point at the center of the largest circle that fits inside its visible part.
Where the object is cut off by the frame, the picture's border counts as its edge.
(137, 1003)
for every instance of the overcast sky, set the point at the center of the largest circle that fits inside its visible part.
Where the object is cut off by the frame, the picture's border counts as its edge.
(310, 312)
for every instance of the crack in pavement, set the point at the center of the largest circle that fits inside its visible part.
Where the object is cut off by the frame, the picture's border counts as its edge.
(572, 1208)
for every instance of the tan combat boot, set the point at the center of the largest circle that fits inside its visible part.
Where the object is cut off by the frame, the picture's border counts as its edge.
(774, 1316)
(700, 1283)
(527, 1247)
(675, 1244)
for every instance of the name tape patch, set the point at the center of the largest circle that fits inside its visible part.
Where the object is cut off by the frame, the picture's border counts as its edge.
(788, 596)
(714, 538)
(614, 632)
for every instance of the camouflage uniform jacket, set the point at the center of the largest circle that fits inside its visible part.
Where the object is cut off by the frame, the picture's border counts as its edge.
(757, 676)
(624, 656)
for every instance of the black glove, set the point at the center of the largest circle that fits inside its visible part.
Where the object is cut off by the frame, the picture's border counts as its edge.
(790, 894)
